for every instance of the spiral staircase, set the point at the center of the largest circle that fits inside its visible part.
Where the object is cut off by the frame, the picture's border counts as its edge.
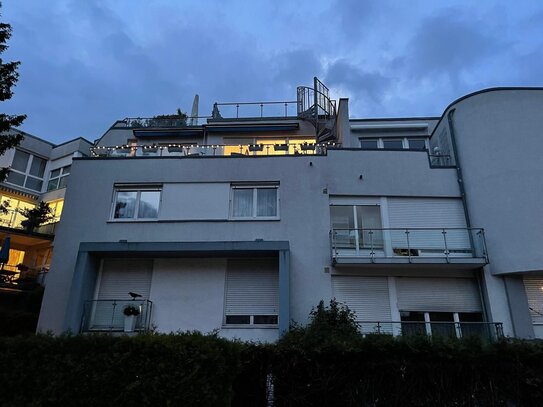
(316, 107)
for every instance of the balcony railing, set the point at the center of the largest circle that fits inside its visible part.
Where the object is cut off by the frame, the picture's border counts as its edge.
(12, 220)
(411, 245)
(165, 122)
(485, 330)
(108, 316)
(209, 150)
(255, 110)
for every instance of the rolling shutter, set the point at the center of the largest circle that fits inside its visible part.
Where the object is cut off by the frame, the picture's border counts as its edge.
(534, 292)
(252, 287)
(366, 296)
(428, 213)
(438, 294)
(118, 278)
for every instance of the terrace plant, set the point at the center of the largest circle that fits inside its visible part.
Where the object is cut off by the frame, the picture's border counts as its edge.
(36, 216)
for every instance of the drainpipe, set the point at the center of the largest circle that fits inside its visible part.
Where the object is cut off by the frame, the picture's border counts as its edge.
(460, 179)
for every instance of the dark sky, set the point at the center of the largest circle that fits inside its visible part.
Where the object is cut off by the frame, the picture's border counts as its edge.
(87, 63)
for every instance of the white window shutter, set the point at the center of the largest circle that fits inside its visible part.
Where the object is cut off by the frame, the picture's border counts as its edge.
(438, 294)
(252, 287)
(534, 292)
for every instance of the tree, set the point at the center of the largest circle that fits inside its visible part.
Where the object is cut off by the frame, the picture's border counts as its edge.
(8, 79)
(36, 216)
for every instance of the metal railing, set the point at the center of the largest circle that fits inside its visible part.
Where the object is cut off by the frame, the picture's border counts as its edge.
(440, 160)
(255, 110)
(165, 122)
(485, 330)
(409, 243)
(108, 316)
(203, 150)
(15, 219)
(315, 104)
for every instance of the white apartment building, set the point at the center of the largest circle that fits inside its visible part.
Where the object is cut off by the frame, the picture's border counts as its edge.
(39, 171)
(243, 221)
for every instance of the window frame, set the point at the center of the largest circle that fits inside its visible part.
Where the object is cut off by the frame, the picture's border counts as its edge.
(138, 189)
(405, 143)
(26, 174)
(62, 174)
(254, 215)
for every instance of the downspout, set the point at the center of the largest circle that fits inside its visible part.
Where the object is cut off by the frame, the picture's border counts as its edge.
(460, 179)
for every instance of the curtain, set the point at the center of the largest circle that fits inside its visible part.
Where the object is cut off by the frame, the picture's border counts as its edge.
(266, 202)
(243, 202)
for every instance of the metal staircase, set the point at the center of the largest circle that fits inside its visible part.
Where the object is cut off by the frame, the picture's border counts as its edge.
(315, 106)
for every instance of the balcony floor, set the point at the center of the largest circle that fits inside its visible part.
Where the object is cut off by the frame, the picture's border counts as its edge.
(463, 263)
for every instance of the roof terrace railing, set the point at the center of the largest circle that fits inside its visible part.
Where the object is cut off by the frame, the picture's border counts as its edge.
(206, 150)
(165, 122)
(255, 110)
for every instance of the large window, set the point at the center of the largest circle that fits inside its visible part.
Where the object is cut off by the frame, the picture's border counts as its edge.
(404, 143)
(136, 203)
(27, 171)
(254, 202)
(252, 292)
(11, 218)
(58, 178)
(357, 227)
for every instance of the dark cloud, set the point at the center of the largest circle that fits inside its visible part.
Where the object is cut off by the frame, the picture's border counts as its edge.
(366, 85)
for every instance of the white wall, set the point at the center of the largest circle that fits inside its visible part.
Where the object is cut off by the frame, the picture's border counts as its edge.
(188, 294)
(191, 201)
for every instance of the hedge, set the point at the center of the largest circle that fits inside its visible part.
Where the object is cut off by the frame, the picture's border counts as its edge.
(203, 370)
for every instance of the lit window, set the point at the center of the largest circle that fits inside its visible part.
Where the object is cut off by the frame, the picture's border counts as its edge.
(27, 170)
(58, 178)
(255, 202)
(136, 203)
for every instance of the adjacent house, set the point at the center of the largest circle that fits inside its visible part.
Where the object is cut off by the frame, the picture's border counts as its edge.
(241, 222)
(39, 171)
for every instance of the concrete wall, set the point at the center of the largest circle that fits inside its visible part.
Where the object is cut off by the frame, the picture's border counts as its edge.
(305, 185)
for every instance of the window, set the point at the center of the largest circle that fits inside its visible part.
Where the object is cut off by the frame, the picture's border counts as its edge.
(138, 203)
(252, 292)
(447, 324)
(369, 143)
(249, 202)
(396, 144)
(416, 143)
(27, 170)
(357, 227)
(58, 178)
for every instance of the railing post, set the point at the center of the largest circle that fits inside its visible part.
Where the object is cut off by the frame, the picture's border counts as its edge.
(379, 327)
(371, 246)
(113, 315)
(261, 110)
(286, 113)
(408, 245)
(445, 241)
(237, 111)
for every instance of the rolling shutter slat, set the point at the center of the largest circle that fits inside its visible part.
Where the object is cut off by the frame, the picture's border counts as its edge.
(534, 292)
(438, 294)
(252, 287)
(366, 296)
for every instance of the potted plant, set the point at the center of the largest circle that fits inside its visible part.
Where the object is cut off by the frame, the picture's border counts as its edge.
(36, 216)
(130, 314)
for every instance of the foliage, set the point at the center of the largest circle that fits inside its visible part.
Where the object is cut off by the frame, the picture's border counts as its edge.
(36, 216)
(130, 310)
(8, 79)
(179, 119)
(333, 325)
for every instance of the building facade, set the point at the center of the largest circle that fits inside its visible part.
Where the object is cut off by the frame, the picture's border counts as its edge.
(39, 171)
(242, 222)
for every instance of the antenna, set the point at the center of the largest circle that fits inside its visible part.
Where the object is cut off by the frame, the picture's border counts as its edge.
(194, 113)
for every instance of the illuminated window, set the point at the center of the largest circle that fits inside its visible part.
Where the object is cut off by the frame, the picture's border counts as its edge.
(58, 178)
(140, 203)
(255, 202)
(27, 170)
(56, 210)
(12, 218)
(269, 146)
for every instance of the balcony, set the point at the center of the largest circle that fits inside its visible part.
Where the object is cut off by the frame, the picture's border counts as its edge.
(461, 247)
(108, 316)
(212, 150)
(485, 330)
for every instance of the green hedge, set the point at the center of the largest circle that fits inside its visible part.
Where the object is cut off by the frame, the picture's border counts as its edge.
(197, 370)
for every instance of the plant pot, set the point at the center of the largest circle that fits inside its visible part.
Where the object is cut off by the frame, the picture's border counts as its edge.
(129, 323)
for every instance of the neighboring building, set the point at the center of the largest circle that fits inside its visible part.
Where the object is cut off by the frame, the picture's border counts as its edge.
(39, 171)
(242, 224)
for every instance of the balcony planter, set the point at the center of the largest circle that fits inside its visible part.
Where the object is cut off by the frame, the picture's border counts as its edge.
(256, 147)
(130, 315)
(307, 147)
